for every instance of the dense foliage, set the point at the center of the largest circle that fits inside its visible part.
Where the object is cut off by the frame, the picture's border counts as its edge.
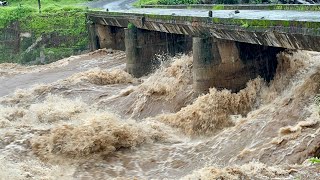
(62, 29)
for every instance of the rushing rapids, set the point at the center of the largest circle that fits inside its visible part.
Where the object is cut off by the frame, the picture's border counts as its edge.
(84, 117)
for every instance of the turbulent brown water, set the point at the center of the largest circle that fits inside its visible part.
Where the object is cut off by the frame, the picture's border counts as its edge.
(84, 117)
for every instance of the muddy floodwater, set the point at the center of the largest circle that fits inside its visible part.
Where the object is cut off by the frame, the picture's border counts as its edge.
(84, 117)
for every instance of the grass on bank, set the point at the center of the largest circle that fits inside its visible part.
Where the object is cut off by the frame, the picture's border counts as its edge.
(314, 160)
(44, 3)
(62, 25)
(20, 9)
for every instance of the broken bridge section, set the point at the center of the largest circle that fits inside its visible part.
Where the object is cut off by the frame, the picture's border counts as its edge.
(227, 52)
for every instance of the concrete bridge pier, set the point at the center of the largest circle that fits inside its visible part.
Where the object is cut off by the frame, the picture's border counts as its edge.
(205, 58)
(217, 64)
(142, 46)
(135, 64)
(103, 36)
(225, 64)
(94, 45)
(106, 38)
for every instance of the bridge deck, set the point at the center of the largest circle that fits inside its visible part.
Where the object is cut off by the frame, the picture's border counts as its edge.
(311, 16)
(278, 28)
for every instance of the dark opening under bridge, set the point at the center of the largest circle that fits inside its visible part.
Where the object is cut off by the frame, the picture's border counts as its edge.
(228, 48)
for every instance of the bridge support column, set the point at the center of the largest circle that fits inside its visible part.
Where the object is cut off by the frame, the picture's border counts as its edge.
(106, 39)
(94, 44)
(109, 37)
(143, 45)
(230, 65)
(205, 57)
(136, 65)
(217, 64)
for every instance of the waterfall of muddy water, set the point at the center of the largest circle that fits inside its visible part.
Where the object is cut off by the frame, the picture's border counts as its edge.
(86, 118)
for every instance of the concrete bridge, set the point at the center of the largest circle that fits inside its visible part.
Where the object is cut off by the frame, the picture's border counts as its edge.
(229, 48)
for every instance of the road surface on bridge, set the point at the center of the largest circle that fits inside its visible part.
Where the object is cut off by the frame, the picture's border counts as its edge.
(125, 6)
(244, 14)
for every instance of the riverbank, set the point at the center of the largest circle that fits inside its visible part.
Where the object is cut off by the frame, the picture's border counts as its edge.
(30, 37)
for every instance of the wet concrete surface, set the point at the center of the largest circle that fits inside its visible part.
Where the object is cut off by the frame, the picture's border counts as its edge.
(244, 14)
(112, 4)
(125, 6)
